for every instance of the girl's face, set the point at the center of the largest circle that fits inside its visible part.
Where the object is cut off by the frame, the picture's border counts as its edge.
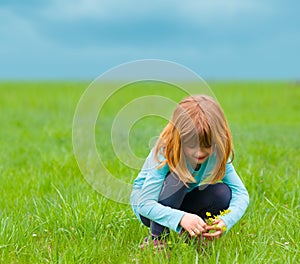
(196, 154)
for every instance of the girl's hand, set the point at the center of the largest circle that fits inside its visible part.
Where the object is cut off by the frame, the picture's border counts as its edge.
(219, 226)
(193, 224)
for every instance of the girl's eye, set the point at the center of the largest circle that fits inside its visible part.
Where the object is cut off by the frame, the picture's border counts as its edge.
(192, 146)
(195, 145)
(201, 147)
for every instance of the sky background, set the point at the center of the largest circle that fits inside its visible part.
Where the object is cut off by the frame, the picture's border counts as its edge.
(80, 39)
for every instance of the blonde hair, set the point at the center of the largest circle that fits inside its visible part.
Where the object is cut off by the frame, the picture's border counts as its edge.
(196, 117)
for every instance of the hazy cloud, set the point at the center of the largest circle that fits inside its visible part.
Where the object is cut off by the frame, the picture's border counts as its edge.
(219, 38)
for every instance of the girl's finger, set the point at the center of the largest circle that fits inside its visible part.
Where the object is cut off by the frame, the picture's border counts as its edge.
(216, 222)
(201, 229)
(213, 227)
(202, 224)
(192, 233)
(213, 235)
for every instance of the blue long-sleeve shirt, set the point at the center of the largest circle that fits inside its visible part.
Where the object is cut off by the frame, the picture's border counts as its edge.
(147, 187)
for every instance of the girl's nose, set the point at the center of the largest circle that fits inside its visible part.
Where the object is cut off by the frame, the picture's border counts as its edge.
(199, 151)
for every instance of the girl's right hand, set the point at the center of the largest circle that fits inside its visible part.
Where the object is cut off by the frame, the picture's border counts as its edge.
(193, 224)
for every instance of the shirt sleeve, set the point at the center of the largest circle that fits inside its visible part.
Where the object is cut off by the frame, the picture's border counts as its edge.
(147, 202)
(240, 197)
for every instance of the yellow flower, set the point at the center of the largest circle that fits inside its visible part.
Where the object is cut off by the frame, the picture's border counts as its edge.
(224, 212)
(224, 228)
(210, 221)
(208, 214)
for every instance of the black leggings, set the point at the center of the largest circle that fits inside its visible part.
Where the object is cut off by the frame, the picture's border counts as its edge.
(211, 198)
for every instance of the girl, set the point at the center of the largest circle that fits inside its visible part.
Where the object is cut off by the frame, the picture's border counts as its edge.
(188, 173)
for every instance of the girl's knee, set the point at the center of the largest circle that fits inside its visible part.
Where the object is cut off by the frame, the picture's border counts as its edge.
(145, 221)
(222, 193)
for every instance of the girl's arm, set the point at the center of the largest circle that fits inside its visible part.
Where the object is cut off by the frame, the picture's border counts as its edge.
(240, 197)
(148, 186)
(147, 201)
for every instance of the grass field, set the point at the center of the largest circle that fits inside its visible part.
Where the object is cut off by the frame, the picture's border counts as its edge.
(50, 214)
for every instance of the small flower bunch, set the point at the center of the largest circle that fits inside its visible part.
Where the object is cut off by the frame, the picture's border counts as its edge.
(211, 219)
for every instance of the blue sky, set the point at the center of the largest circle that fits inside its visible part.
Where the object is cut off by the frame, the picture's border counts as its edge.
(80, 39)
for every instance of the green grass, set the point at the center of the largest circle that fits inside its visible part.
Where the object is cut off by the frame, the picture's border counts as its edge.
(50, 214)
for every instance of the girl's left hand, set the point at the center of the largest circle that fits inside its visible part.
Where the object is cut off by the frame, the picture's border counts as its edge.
(219, 226)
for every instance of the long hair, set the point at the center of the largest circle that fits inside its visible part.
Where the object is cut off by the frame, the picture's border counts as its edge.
(198, 118)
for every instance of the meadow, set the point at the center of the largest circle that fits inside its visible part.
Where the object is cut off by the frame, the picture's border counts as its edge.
(50, 214)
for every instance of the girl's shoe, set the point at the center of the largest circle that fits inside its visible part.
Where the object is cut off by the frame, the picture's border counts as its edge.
(158, 244)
